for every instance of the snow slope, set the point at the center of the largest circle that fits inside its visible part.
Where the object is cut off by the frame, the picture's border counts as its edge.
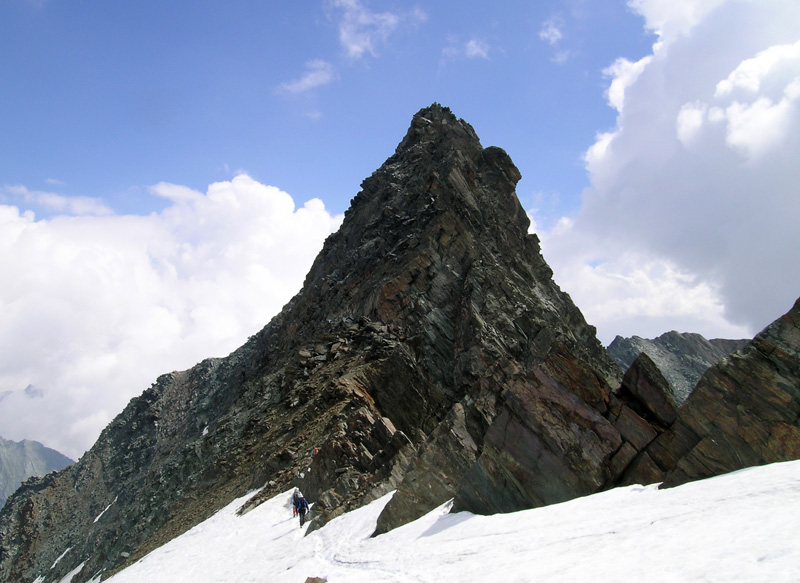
(738, 527)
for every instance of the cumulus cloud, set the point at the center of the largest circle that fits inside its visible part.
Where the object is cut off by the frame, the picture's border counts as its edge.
(318, 73)
(670, 19)
(691, 218)
(94, 308)
(362, 31)
(623, 74)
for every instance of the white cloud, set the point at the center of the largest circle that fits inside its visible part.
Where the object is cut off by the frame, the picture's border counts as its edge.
(691, 218)
(94, 308)
(761, 126)
(362, 32)
(56, 203)
(475, 49)
(550, 32)
(690, 120)
(318, 73)
(472, 49)
(623, 74)
(595, 156)
(751, 73)
(632, 292)
(673, 18)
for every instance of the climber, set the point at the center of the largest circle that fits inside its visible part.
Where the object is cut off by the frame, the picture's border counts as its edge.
(295, 497)
(301, 507)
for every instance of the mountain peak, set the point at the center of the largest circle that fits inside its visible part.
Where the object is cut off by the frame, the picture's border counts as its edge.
(436, 126)
(427, 324)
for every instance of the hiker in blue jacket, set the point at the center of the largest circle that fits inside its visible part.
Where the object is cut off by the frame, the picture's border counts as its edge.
(300, 505)
(295, 498)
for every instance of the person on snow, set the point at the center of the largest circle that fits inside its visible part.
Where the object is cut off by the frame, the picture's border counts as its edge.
(295, 497)
(300, 507)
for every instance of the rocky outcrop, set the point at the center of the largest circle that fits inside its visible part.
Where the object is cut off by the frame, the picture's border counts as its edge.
(744, 412)
(681, 357)
(19, 460)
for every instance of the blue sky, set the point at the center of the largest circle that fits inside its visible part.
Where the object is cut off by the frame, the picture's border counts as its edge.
(169, 170)
(104, 99)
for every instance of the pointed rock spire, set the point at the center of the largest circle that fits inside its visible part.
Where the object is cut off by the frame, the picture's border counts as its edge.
(429, 341)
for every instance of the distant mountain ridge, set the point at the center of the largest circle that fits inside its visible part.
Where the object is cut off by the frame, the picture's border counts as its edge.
(19, 460)
(681, 357)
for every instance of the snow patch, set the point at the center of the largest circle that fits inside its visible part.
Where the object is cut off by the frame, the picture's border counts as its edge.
(104, 510)
(68, 577)
(61, 556)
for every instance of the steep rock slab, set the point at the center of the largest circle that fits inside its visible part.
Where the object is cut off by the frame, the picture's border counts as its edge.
(546, 445)
(746, 410)
(647, 387)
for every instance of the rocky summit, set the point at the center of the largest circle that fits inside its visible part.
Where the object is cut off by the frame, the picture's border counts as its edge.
(428, 352)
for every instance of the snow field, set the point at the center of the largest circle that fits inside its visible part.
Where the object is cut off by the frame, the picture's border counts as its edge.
(738, 527)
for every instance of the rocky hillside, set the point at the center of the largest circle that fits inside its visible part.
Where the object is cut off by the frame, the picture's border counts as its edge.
(682, 358)
(429, 352)
(19, 460)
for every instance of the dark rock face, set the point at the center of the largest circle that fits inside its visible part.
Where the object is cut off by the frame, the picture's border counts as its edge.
(745, 411)
(681, 358)
(546, 445)
(645, 384)
(19, 460)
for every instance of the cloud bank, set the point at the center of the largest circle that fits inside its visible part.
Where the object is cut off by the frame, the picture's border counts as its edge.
(94, 308)
(691, 217)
